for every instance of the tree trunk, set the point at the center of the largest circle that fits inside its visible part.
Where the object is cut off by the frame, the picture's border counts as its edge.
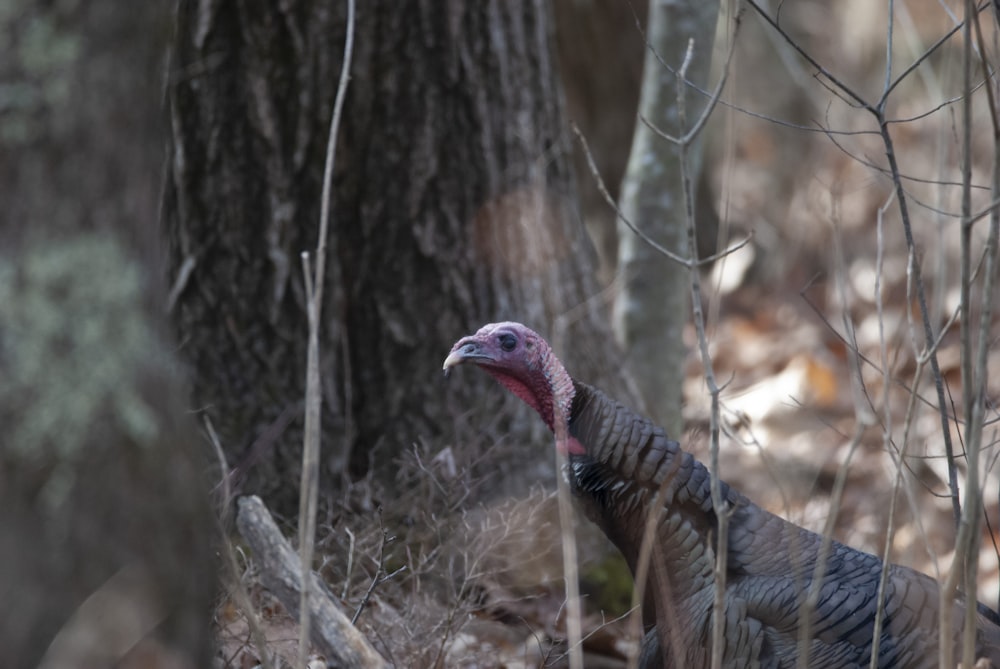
(453, 206)
(651, 310)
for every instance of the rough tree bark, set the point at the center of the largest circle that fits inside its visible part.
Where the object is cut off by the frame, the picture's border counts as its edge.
(453, 206)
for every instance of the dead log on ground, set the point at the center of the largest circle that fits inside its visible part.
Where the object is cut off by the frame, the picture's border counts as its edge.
(341, 642)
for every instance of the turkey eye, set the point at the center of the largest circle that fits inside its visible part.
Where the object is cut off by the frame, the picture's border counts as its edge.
(508, 342)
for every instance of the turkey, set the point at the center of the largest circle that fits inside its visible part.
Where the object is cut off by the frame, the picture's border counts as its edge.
(618, 462)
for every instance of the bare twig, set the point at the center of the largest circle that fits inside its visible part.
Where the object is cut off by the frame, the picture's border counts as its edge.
(647, 551)
(878, 111)
(887, 424)
(916, 275)
(692, 133)
(965, 565)
(180, 283)
(885, 171)
(224, 482)
(689, 262)
(350, 564)
(967, 521)
(380, 575)
(811, 600)
(927, 54)
(864, 418)
(967, 543)
(974, 357)
(309, 490)
(647, 557)
(574, 611)
(238, 589)
(720, 506)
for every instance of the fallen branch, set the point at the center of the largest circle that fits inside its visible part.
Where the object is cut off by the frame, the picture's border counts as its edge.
(280, 571)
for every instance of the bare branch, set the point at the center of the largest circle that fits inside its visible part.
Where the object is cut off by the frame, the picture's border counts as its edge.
(380, 576)
(692, 133)
(924, 56)
(690, 262)
(822, 71)
(309, 490)
(974, 358)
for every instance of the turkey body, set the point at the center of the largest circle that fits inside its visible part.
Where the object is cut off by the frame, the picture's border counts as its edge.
(624, 470)
(631, 466)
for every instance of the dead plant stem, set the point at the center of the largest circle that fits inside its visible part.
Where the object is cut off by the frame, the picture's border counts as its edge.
(309, 487)
(239, 591)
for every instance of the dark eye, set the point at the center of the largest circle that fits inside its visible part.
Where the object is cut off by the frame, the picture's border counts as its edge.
(508, 342)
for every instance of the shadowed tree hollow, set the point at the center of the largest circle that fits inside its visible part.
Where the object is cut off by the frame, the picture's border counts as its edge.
(453, 205)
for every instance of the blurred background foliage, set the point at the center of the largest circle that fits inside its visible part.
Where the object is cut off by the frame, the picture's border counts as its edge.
(73, 333)
(81, 128)
(101, 471)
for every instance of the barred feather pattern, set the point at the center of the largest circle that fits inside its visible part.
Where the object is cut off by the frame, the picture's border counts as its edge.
(631, 468)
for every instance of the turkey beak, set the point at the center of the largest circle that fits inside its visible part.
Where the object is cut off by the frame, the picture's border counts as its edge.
(464, 351)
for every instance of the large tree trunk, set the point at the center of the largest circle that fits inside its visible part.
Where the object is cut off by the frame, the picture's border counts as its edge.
(453, 206)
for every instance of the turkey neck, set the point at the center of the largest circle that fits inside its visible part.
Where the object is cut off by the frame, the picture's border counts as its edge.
(631, 468)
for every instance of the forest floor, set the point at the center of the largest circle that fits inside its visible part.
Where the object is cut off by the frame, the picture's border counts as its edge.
(483, 586)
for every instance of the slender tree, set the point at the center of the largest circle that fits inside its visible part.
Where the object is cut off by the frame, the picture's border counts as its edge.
(649, 315)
